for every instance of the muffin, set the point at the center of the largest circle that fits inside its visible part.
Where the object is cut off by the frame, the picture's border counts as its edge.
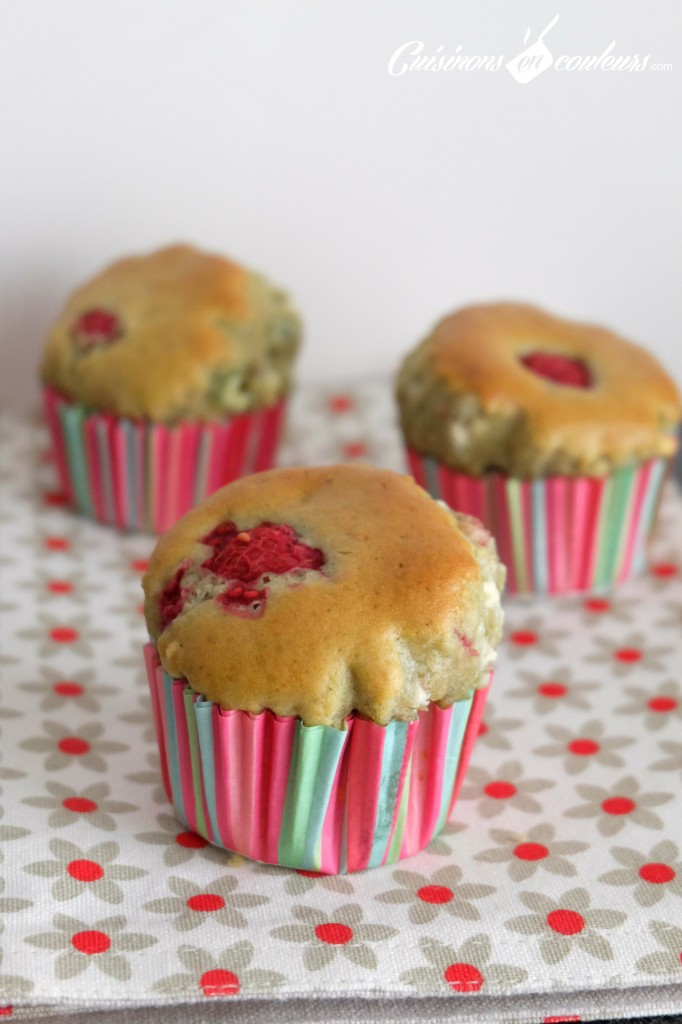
(321, 647)
(556, 434)
(165, 377)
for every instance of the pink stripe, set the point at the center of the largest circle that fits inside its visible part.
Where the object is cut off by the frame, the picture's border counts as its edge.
(155, 677)
(219, 438)
(222, 766)
(184, 754)
(642, 486)
(416, 466)
(471, 732)
(364, 783)
(503, 532)
(159, 444)
(273, 417)
(53, 402)
(94, 472)
(188, 466)
(234, 458)
(445, 480)
(557, 490)
(595, 490)
(577, 526)
(119, 457)
(426, 780)
(278, 745)
(140, 485)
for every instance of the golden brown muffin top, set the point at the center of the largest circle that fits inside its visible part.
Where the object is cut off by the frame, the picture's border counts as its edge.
(176, 334)
(520, 390)
(317, 592)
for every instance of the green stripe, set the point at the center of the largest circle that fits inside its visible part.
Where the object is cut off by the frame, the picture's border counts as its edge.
(196, 758)
(458, 723)
(314, 759)
(72, 418)
(614, 507)
(397, 840)
(516, 518)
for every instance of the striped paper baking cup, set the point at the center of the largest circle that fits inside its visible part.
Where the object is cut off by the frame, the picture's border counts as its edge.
(310, 797)
(559, 534)
(143, 476)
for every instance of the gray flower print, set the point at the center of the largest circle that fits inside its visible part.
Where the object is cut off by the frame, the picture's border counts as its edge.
(181, 845)
(494, 730)
(76, 870)
(68, 805)
(530, 636)
(226, 973)
(595, 608)
(557, 689)
(535, 850)
(151, 777)
(58, 588)
(668, 959)
(342, 932)
(81, 944)
(581, 746)
(61, 691)
(464, 969)
(11, 905)
(621, 803)
(64, 745)
(652, 875)
(672, 762)
(656, 705)
(443, 891)
(55, 635)
(192, 905)
(9, 833)
(299, 881)
(143, 717)
(565, 923)
(440, 845)
(506, 787)
(627, 656)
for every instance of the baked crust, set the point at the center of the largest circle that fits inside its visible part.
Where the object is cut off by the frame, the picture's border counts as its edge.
(200, 337)
(466, 398)
(404, 610)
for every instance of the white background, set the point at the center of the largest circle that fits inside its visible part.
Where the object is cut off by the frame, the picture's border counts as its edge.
(273, 132)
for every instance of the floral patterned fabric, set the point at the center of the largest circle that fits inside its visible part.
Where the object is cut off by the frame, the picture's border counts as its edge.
(554, 893)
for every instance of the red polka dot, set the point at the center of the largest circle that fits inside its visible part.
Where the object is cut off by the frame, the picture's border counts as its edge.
(308, 874)
(219, 983)
(628, 655)
(354, 450)
(79, 804)
(75, 746)
(206, 902)
(559, 1020)
(91, 942)
(583, 747)
(463, 977)
(565, 922)
(435, 894)
(190, 840)
(657, 874)
(85, 870)
(66, 688)
(340, 403)
(55, 498)
(618, 805)
(57, 544)
(662, 705)
(523, 637)
(552, 690)
(500, 790)
(139, 565)
(63, 635)
(597, 604)
(59, 586)
(664, 569)
(334, 934)
(531, 851)
(6, 1011)
(483, 728)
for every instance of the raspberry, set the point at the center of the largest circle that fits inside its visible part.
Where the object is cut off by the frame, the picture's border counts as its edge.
(172, 598)
(96, 327)
(572, 373)
(268, 548)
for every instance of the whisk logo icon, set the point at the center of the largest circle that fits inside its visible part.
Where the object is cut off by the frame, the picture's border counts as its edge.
(535, 59)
